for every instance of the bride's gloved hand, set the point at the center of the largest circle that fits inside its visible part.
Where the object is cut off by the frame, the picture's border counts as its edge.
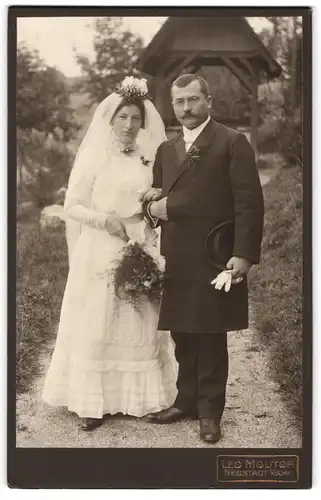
(151, 194)
(116, 227)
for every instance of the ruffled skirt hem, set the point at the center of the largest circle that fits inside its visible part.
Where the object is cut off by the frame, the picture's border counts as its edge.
(95, 393)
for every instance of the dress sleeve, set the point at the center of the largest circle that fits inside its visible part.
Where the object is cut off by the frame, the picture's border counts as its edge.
(78, 199)
(157, 183)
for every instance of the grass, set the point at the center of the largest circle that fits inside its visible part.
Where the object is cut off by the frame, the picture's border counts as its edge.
(276, 285)
(42, 266)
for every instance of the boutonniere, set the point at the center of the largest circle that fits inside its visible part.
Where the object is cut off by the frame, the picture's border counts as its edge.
(144, 161)
(193, 155)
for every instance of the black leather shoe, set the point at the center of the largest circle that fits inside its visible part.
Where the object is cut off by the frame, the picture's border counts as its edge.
(210, 431)
(89, 424)
(169, 416)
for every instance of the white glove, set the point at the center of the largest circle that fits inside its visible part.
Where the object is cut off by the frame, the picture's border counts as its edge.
(225, 279)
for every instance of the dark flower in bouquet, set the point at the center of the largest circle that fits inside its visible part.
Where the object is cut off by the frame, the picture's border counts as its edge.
(138, 276)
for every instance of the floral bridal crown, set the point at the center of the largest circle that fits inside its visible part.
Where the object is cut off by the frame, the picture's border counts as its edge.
(133, 89)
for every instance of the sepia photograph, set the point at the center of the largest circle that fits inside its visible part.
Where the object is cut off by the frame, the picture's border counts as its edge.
(159, 231)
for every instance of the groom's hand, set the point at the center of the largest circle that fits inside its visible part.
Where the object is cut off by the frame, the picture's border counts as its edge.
(158, 209)
(239, 266)
(151, 194)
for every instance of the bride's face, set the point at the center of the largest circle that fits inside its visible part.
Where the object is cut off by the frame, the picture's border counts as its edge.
(127, 122)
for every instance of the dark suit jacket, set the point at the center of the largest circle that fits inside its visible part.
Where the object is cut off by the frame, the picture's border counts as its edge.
(220, 184)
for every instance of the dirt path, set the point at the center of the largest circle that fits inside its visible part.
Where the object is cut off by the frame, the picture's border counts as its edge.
(254, 417)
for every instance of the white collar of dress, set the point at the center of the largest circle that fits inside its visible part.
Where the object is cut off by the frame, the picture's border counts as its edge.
(122, 147)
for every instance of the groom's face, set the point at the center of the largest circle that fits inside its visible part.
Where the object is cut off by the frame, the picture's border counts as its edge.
(190, 104)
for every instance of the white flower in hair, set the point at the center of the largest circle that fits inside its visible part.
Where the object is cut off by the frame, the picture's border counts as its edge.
(142, 85)
(133, 88)
(127, 82)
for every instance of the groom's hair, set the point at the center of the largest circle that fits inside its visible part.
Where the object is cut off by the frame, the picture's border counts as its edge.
(184, 80)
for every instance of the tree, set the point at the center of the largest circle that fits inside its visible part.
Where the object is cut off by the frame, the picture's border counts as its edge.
(283, 115)
(116, 53)
(284, 41)
(42, 97)
(45, 125)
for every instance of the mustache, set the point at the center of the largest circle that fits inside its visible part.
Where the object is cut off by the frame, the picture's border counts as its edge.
(188, 114)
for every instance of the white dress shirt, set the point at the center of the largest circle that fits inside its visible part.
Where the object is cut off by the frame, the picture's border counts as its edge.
(191, 135)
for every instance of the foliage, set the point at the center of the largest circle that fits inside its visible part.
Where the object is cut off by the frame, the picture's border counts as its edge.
(269, 135)
(282, 133)
(45, 125)
(278, 281)
(116, 52)
(281, 107)
(44, 165)
(42, 97)
(281, 41)
(291, 140)
(42, 267)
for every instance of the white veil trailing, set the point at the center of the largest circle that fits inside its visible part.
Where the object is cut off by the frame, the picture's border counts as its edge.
(97, 147)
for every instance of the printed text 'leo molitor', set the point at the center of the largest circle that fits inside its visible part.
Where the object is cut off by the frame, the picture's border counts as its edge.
(250, 468)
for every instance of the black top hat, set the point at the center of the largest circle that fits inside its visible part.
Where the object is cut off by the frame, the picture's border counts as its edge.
(219, 244)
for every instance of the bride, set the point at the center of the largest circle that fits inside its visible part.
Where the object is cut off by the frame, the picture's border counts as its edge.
(109, 358)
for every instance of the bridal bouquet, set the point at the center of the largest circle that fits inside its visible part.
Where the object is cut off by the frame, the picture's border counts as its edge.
(138, 275)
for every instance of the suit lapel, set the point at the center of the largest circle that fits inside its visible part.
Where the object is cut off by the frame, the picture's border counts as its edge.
(202, 142)
(176, 156)
(206, 137)
(180, 148)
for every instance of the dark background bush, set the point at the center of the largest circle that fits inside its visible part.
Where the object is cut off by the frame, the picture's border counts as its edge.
(46, 163)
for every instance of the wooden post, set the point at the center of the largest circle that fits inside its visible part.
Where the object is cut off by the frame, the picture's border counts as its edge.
(254, 72)
(238, 72)
(293, 66)
(254, 113)
(159, 91)
(180, 66)
(162, 99)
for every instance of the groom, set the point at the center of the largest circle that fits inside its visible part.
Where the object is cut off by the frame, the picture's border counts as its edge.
(206, 175)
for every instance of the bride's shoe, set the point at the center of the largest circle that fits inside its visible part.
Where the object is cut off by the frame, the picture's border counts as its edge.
(89, 424)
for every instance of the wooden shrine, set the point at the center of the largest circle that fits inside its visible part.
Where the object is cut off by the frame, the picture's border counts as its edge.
(192, 44)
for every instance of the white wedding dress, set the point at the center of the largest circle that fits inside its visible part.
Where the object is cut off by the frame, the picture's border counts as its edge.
(109, 357)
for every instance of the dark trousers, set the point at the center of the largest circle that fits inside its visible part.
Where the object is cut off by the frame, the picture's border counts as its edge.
(202, 374)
